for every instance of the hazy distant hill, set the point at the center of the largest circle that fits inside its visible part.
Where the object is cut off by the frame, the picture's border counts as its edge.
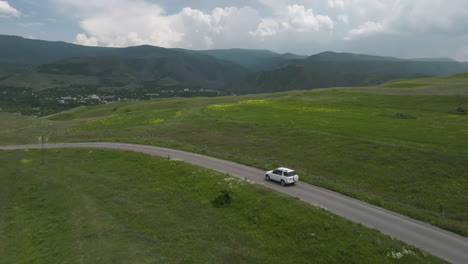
(254, 60)
(434, 59)
(18, 50)
(465, 66)
(329, 56)
(302, 77)
(330, 69)
(367, 63)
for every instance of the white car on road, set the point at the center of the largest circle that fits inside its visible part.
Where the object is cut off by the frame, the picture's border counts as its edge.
(282, 175)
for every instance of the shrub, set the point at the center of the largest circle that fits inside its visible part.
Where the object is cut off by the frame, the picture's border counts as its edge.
(224, 198)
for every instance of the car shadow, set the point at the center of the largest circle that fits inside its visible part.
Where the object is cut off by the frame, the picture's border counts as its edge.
(278, 183)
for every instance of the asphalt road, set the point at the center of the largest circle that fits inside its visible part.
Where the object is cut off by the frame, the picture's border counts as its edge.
(438, 242)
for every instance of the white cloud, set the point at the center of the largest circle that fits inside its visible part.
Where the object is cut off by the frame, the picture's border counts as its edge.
(302, 26)
(336, 3)
(462, 53)
(31, 24)
(371, 17)
(368, 28)
(343, 19)
(276, 5)
(268, 27)
(229, 26)
(295, 18)
(6, 10)
(131, 23)
(120, 23)
(304, 20)
(84, 40)
(404, 16)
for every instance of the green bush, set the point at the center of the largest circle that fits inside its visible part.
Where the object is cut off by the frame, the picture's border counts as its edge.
(224, 198)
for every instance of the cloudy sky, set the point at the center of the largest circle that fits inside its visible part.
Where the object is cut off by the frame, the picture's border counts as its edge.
(401, 28)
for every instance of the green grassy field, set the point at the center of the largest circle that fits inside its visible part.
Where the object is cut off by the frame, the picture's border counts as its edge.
(345, 139)
(105, 206)
(447, 85)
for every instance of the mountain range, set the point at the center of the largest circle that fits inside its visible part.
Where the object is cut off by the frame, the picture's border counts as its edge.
(39, 65)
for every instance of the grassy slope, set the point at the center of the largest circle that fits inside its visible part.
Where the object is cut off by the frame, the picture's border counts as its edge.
(344, 139)
(103, 206)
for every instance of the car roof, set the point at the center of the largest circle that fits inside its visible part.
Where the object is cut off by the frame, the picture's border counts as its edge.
(285, 169)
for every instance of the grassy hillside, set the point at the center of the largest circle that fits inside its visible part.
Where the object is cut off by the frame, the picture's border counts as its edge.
(447, 85)
(347, 139)
(105, 206)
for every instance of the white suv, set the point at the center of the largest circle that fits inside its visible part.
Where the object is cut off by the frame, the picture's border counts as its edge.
(282, 175)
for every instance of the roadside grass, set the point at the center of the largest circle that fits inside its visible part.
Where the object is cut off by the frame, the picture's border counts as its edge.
(338, 140)
(10, 122)
(344, 139)
(107, 206)
(127, 120)
(422, 184)
(19, 129)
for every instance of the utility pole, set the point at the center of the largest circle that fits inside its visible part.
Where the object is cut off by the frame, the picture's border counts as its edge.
(42, 138)
(42, 147)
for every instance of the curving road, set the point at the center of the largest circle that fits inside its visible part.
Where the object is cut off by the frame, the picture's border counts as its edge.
(441, 243)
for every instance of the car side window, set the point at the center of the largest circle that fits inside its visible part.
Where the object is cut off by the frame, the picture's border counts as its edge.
(277, 172)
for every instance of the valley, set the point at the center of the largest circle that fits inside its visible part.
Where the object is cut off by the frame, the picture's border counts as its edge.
(35, 84)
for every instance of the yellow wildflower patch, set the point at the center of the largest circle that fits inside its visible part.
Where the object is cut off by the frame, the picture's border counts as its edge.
(25, 161)
(222, 107)
(228, 106)
(321, 109)
(156, 121)
(255, 102)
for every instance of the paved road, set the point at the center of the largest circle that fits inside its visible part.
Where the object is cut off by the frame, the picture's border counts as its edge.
(441, 243)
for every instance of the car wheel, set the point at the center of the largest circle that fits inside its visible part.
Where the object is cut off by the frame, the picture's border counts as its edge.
(283, 183)
(267, 177)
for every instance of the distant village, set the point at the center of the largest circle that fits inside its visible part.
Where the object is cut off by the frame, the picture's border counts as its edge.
(108, 99)
(45, 102)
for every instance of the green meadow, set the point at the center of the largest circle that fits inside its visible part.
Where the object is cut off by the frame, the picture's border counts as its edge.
(107, 206)
(346, 139)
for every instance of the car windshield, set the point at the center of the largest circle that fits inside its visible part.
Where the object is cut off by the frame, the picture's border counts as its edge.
(290, 173)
